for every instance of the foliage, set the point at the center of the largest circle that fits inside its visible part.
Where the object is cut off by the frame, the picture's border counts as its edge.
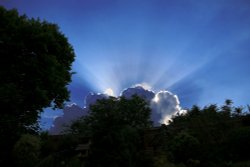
(161, 161)
(55, 161)
(58, 150)
(26, 151)
(35, 71)
(212, 136)
(241, 164)
(121, 135)
(181, 145)
(114, 126)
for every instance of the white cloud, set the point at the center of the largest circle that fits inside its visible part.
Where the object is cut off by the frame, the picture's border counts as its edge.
(164, 105)
(144, 85)
(70, 105)
(109, 92)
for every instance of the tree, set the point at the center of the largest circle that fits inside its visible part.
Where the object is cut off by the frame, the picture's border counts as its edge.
(184, 147)
(35, 71)
(114, 127)
(209, 136)
(27, 151)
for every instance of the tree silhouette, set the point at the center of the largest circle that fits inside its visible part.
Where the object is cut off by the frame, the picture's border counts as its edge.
(35, 71)
(114, 126)
(212, 136)
(27, 151)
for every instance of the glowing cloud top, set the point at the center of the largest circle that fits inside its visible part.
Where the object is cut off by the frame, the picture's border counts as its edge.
(163, 104)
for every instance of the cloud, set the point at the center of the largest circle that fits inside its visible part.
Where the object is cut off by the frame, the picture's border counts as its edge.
(70, 112)
(91, 98)
(73, 112)
(109, 92)
(144, 86)
(164, 105)
(140, 91)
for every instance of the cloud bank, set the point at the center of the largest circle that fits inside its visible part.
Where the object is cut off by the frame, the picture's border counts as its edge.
(164, 105)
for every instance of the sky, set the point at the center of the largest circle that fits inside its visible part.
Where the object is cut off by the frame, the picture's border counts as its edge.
(196, 49)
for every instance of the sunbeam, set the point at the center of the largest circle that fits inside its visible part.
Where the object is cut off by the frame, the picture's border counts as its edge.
(197, 50)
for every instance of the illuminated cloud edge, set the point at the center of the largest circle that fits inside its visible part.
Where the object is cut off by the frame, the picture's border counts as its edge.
(163, 104)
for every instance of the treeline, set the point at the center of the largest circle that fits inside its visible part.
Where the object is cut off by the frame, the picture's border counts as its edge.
(209, 136)
(212, 136)
(35, 71)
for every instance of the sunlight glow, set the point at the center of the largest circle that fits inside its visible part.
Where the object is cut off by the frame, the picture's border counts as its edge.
(159, 65)
(145, 85)
(109, 92)
(126, 71)
(156, 98)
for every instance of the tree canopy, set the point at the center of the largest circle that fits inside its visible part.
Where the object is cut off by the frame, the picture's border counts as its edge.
(114, 126)
(118, 132)
(209, 136)
(36, 61)
(26, 151)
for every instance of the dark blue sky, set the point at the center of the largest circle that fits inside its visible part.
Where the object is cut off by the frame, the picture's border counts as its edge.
(198, 49)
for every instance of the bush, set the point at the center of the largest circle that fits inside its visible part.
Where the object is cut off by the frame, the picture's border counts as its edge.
(27, 150)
